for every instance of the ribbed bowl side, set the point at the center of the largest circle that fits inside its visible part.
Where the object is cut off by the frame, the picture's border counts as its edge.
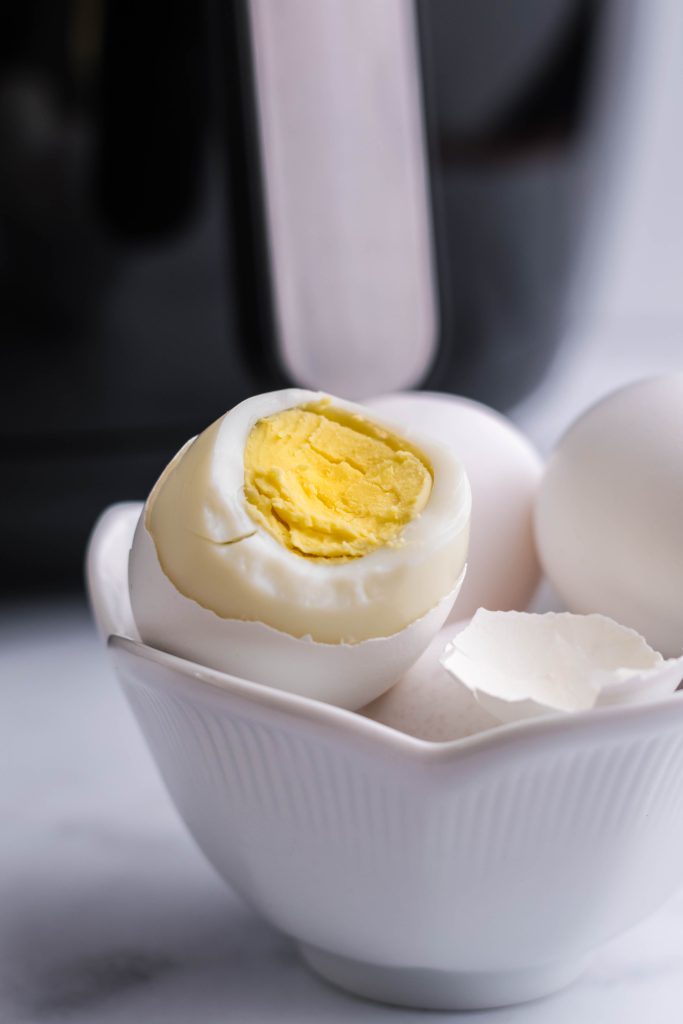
(555, 856)
(484, 863)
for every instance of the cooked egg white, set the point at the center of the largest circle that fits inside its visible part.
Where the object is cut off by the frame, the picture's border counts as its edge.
(302, 512)
(302, 543)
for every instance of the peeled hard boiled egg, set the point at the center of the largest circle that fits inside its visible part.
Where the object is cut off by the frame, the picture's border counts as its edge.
(303, 543)
(504, 471)
(609, 514)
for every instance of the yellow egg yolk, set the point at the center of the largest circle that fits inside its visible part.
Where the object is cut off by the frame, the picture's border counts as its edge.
(330, 484)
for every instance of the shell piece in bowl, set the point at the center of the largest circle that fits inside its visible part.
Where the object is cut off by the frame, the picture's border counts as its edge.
(521, 665)
(106, 569)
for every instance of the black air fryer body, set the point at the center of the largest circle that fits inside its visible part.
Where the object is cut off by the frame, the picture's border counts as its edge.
(149, 279)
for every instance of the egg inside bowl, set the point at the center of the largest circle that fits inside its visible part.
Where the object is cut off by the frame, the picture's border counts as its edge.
(449, 875)
(304, 543)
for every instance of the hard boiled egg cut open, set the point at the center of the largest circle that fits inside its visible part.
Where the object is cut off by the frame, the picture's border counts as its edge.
(304, 543)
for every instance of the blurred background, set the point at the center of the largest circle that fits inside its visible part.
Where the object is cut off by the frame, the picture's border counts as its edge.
(199, 201)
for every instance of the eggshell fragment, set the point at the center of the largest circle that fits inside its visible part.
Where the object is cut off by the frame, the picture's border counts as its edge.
(348, 675)
(504, 471)
(428, 703)
(521, 665)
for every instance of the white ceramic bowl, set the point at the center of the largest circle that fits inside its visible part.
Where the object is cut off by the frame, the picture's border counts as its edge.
(448, 875)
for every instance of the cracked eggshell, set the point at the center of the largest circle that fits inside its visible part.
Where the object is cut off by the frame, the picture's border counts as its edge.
(504, 471)
(348, 675)
(521, 665)
(428, 703)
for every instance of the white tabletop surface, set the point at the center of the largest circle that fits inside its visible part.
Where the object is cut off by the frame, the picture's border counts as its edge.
(109, 914)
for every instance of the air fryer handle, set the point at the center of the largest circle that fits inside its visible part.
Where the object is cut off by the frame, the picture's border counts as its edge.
(345, 190)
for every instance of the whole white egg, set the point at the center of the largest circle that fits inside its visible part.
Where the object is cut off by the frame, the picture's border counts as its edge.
(211, 581)
(428, 703)
(504, 471)
(609, 513)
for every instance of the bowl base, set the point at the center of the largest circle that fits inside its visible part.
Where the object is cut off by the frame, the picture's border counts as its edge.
(425, 989)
